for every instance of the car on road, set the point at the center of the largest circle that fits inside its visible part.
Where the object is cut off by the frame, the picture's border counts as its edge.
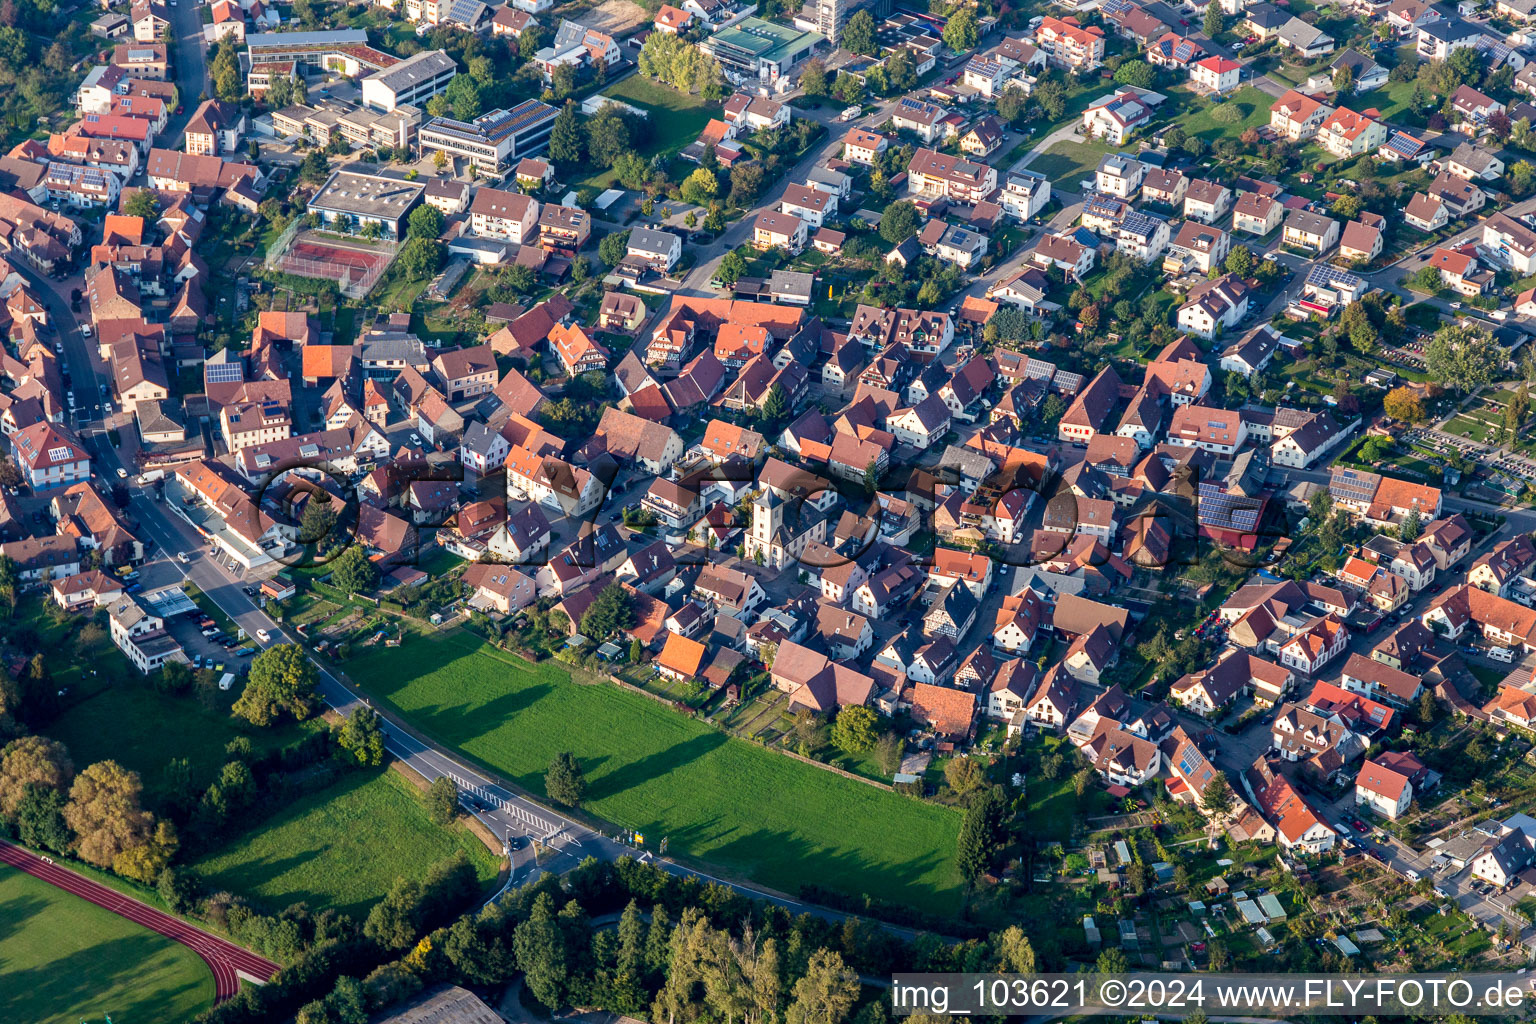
(263, 635)
(1359, 825)
(183, 557)
(122, 474)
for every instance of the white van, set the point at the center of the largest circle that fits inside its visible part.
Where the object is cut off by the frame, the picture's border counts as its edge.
(228, 681)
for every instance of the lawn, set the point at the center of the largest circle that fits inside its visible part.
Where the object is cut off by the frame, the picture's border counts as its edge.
(63, 960)
(1202, 121)
(142, 729)
(342, 847)
(1066, 163)
(676, 119)
(1392, 99)
(719, 800)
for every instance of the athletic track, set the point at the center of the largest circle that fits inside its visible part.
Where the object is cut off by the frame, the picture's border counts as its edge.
(225, 959)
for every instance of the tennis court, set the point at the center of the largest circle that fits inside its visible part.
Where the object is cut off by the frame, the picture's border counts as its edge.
(354, 266)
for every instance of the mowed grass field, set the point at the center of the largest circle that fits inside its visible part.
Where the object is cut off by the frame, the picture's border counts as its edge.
(63, 960)
(718, 800)
(341, 847)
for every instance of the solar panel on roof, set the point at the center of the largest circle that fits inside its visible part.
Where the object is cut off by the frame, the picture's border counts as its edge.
(1231, 511)
(1405, 144)
(1191, 760)
(223, 373)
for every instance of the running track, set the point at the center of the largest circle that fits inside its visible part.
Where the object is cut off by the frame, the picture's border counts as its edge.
(225, 959)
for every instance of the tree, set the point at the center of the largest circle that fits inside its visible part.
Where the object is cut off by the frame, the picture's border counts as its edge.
(608, 135)
(1522, 175)
(899, 222)
(888, 751)
(900, 71)
(962, 31)
(144, 862)
(1403, 404)
(1013, 104)
(775, 404)
(143, 203)
(813, 77)
(1429, 708)
(1111, 961)
(1348, 205)
(1426, 279)
(28, 762)
(1015, 954)
(566, 140)
(174, 678)
(354, 572)
(106, 813)
(859, 34)
(1136, 73)
(962, 773)
(319, 517)
(746, 182)
(564, 780)
(855, 729)
(361, 738)
(982, 832)
(613, 248)
(848, 89)
(732, 266)
(1052, 97)
(463, 95)
(40, 821)
(611, 611)
(419, 258)
(826, 993)
(1344, 80)
(1462, 357)
(1411, 528)
(701, 187)
(425, 222)
(282, 681)
(1218, 795)
(540, 946)
(1213, 21)
(442, 800)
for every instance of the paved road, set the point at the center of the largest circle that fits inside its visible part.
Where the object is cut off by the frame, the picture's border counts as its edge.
(191, 69)
(228, 961)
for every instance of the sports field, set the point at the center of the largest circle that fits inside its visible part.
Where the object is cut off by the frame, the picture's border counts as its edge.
(342, 847)
(719, 800)
(63, 960)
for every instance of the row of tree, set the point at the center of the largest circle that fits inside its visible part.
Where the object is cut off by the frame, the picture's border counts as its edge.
(680, 952)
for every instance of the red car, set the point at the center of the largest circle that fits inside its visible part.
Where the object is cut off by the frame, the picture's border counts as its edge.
(1360, 826)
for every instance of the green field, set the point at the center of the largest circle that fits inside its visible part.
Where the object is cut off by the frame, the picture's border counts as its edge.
(675, 119)
(142, 729)
(63, 959)
(719, 800)
(1067, 162)
(1391, 100)
(342, 847)
(1253, 104)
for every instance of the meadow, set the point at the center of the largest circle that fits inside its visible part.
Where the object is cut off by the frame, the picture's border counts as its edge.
(63, 960)
(341, 847)
(143, 730)
(721, 801)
